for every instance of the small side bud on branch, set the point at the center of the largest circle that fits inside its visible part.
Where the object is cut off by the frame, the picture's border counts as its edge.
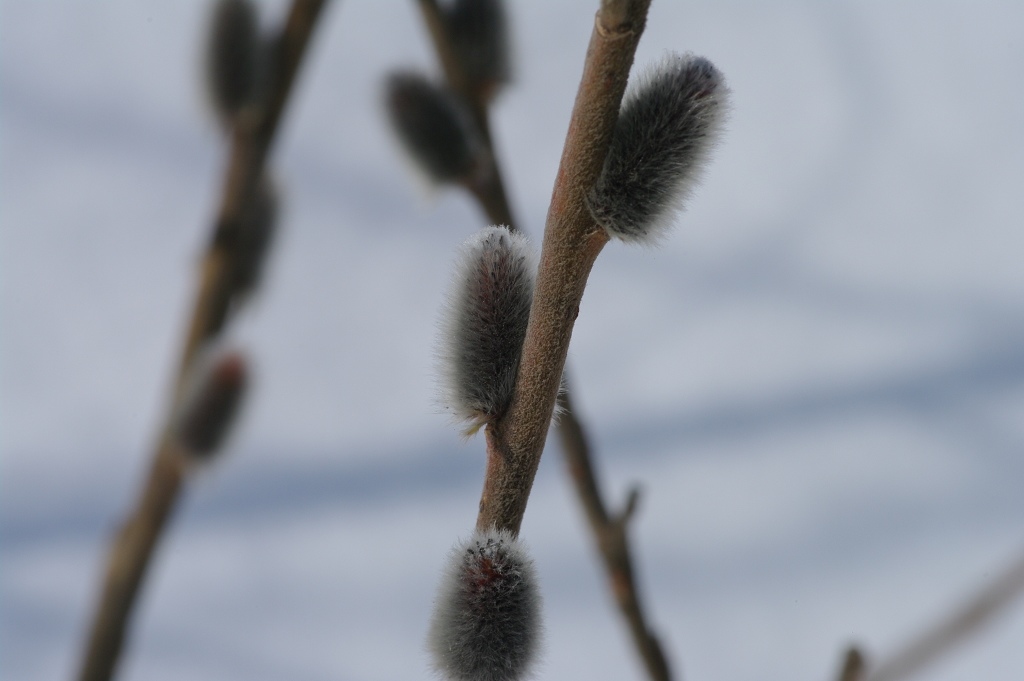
(435, 128)
(256, 232)
(667, 125)
(234, 57)
(485, 324)
(210, 406)
(478, 31)
(486, 624)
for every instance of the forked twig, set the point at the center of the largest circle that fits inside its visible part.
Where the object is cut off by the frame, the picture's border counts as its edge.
(612, 539)
(133, 547)
(610, 534)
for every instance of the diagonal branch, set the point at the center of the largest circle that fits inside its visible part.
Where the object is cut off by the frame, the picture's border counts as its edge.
(612, 540)
(572, 241)
(978, 611)
(610, 535)
(132, 549)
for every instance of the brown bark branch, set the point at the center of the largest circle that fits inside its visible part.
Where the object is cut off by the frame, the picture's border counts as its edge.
(133, 547)
(609, 537)
(971, 616)
(612, 540)
(572, 242)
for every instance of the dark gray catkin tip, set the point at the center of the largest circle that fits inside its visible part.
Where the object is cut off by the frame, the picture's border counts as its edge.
(485, 323)
(211, 402)
(478, 31)
(486, 623)
(234, 57)
(668, 124)
(434, 126)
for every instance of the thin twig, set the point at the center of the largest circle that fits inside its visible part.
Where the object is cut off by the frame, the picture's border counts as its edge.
(572, 242)
(133, 547)
(971, 616)
(612, 540)
(610, 536)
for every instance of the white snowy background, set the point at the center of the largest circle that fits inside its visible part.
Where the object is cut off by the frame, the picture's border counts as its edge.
(818, 380)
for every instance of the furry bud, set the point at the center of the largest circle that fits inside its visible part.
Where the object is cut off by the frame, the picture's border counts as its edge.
(485, 324)
(234, 57)
(255, 235)
(478, 32)
(434, 126)
(211, 402)
(667, 125)
(486, 623)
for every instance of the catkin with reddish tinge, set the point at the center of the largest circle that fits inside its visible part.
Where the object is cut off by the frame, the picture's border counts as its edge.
(486, 624)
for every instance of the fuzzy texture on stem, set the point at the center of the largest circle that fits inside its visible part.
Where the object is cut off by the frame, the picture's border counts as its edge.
(434, 126)
(484, 324)
(211, 403)
(478, 31)
(486, 624)
(233, 57)
(668, 124)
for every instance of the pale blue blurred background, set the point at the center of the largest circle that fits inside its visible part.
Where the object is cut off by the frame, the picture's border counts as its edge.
(818, 379)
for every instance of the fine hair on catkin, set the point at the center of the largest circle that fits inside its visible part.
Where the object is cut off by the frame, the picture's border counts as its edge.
(486, 624)
(484, 324)
(669, 121)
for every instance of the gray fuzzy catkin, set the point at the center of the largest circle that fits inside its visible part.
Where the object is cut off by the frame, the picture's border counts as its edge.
(668, 124)
(233, 57)
(485, 323)
(486, 624)
(256, 231)
(434, 126)
(478, 31)
(213, 397)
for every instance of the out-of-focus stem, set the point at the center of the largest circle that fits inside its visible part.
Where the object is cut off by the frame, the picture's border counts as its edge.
(852, 668)
(133, 547)
(610, 533)
(971, 616)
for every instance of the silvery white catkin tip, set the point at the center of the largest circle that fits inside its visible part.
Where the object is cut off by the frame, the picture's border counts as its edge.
(255, 235)
(211, 402)
(486, 624)
(434, 127)
(667, 125)
(485, 323)
(478, 31)
(233, 56)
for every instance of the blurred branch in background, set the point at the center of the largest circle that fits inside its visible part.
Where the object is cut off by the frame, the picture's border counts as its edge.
(250, 100)
(940, 638)
(852, 667)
